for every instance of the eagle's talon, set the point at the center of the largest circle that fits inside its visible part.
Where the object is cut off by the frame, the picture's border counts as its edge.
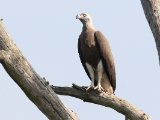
(98, 88)
(90, 87)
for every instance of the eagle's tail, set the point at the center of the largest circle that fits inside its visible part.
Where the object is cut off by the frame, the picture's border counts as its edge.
(106, 85)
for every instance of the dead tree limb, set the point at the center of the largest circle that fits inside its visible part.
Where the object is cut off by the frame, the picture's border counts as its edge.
(112, 101)
(152, 12)
(36, 88)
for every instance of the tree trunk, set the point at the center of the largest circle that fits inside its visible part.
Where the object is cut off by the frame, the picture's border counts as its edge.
(36, 88)
(152, 12)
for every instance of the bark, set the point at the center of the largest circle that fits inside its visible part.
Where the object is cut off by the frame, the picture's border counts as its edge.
(152, 12)
(107, 100)
(36, 88)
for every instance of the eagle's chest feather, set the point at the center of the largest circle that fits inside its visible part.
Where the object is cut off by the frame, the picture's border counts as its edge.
(89, 50)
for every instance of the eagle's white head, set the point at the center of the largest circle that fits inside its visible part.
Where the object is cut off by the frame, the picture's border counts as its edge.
(85, 19)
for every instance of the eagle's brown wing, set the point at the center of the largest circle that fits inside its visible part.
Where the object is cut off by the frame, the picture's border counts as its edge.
(106, 56)
(82, 58)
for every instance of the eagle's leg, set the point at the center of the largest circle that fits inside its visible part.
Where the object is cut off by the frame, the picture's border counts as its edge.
(99, 76)
(91, 73)
(91, 86)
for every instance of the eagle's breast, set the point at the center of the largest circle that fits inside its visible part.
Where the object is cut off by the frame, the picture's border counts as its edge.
(89, 49)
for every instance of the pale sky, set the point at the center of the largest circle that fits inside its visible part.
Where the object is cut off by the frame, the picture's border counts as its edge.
(46, 32)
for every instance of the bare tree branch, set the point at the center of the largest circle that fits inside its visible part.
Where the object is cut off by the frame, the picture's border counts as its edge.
(36, 88)
(152, 12)
(112, 101)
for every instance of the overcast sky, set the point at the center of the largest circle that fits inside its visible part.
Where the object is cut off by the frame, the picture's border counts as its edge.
(46, 32)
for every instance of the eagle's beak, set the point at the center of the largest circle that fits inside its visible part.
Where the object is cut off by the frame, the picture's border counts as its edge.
(78, 16)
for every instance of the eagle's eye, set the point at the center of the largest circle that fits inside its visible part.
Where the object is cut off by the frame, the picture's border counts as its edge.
(84, 15)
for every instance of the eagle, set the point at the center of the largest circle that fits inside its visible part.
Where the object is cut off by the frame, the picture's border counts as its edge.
(96, 56)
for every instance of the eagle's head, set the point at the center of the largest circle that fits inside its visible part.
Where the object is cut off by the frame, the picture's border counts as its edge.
(84, 18)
